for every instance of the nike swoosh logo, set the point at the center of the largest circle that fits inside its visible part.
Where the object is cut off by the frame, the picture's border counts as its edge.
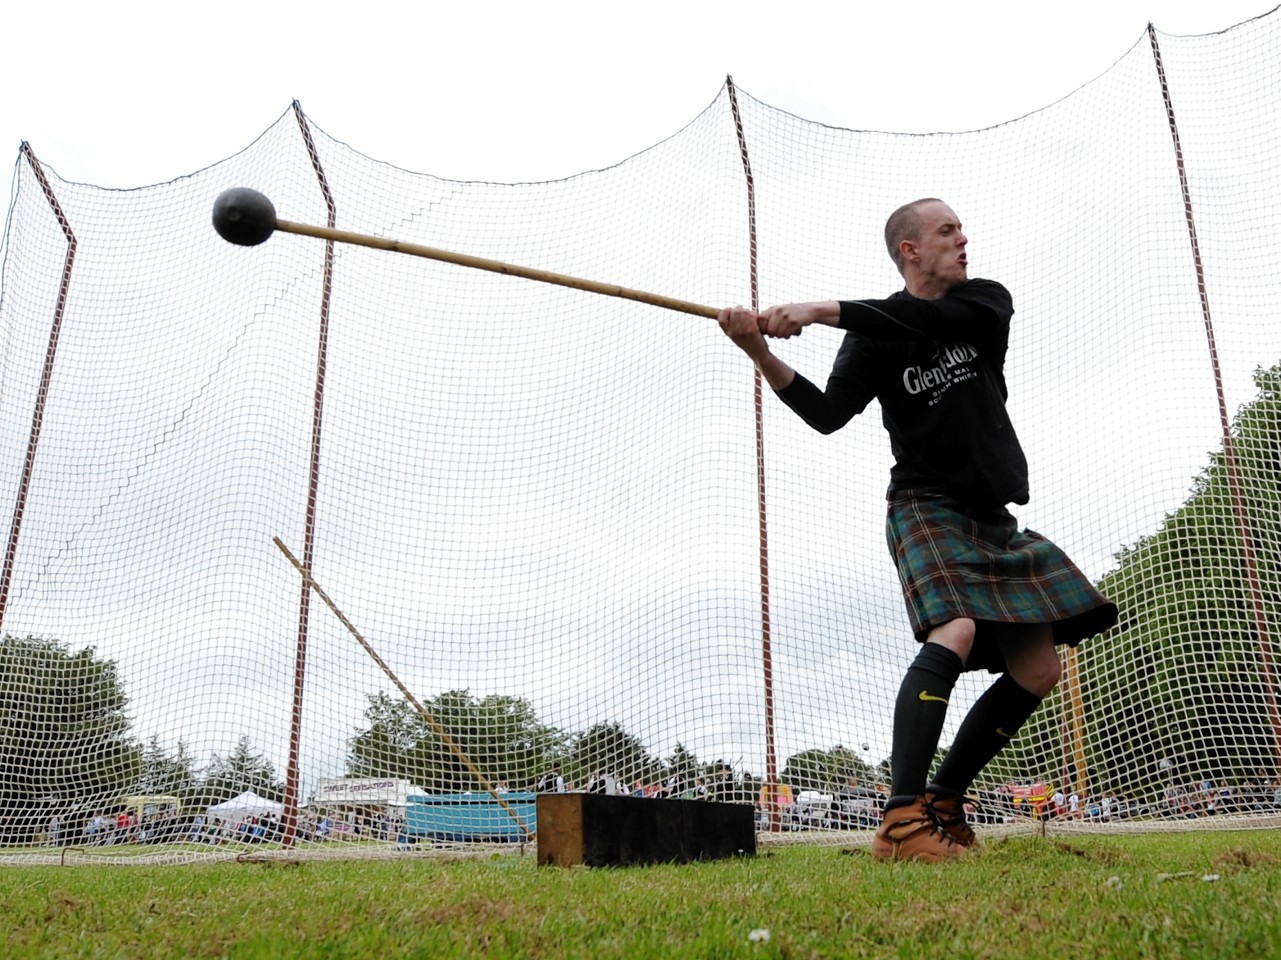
(927, 697)
(1007, 736)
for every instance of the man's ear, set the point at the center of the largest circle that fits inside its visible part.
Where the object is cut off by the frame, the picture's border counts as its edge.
(907, 251)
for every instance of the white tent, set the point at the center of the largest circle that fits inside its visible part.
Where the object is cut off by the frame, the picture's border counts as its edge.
(248, 804)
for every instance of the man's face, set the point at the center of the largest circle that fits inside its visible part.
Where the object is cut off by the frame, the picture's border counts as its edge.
(941, 247)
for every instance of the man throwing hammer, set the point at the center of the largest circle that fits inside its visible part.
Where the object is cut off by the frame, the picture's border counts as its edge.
(980, 593)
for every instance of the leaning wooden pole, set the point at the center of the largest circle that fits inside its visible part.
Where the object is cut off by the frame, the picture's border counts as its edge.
(437, 728)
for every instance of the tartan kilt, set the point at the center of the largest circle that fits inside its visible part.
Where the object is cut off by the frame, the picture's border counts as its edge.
(956, 561)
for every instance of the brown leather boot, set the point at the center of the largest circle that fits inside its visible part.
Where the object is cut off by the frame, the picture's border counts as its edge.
(948, 810)
(910, 832)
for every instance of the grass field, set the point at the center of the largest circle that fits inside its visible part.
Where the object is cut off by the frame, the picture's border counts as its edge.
(1156, 895)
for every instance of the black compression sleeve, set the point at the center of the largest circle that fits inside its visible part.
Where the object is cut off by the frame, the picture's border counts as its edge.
(825, 412)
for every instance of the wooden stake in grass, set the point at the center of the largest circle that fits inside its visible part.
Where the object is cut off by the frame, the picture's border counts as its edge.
(439, 730)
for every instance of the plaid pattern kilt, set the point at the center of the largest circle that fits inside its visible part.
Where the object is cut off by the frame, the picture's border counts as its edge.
(960, 561)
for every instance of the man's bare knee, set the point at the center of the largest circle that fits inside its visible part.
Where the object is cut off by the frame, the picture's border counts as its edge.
(1040, 678)
(1035, 666)
(957, 635)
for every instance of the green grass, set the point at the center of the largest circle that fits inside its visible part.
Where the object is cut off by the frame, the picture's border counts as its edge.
(1026, 897)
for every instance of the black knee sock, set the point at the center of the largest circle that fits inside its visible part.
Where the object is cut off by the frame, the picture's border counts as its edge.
(991, 723)
(918, 717)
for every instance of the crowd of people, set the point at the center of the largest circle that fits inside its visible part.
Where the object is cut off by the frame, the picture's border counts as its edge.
(716, 786)
(855, 807)
(171, 826)
(852, 806)
(125, 826)
(1205, 798)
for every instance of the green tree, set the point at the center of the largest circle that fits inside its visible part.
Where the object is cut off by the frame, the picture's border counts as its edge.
(608, 747)
(392, 744)
(808, 770)
(165, 773)
(499, 735)
(1177, 690)
(829, 771)
(680, 768)
(747, 789)
(65, 745)
(239, 771)
(844, 764)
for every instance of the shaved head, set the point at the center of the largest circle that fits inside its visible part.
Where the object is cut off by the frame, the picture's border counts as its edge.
(905, 224)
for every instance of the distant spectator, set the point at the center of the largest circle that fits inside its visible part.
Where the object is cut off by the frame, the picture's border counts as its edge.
(1253, 798)
(722, 786)
(551, 782)
(601, 782)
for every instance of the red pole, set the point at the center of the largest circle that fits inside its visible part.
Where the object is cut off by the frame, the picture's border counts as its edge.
(46, 377)
(767, 654)
(1229, 458)
(313, 486)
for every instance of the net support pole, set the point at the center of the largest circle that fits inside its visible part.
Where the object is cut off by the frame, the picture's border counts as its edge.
(758, 392)
(1076, 722)
(46, 378)
(292, 798)
(1229, 459)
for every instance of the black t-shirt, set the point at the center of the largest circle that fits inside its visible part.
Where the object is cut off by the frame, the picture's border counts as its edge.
(937, 368)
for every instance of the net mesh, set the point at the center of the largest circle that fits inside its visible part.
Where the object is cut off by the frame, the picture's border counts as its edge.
(540, 506)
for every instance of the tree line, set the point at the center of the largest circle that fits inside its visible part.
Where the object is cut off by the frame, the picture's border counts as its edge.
(1184, 688)
(67, 748)
(502, 738)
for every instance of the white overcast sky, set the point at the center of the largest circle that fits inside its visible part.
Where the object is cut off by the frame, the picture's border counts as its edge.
(132, 93)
